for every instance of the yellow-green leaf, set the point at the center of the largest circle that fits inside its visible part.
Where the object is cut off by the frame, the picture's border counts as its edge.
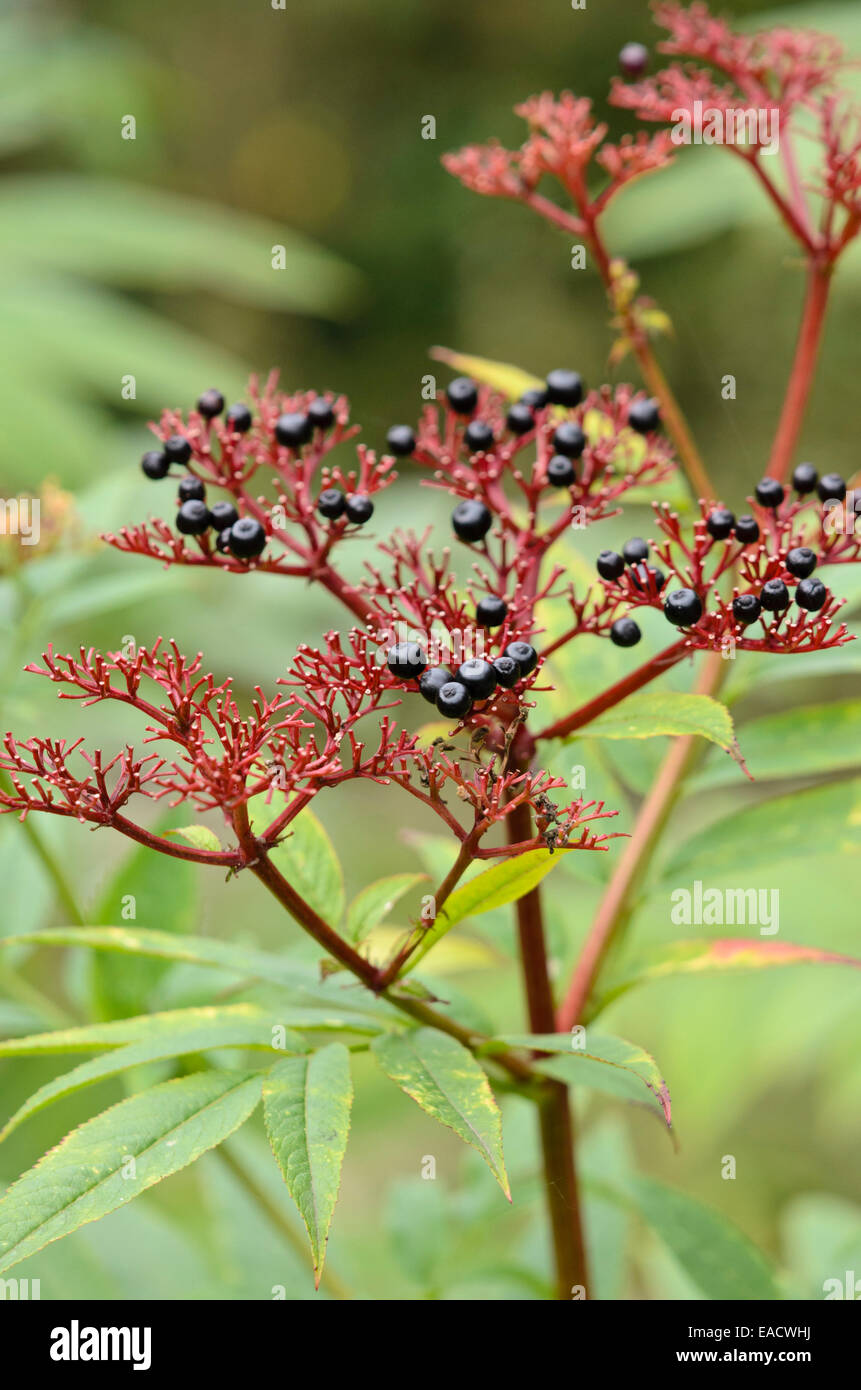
(198, 835)
(501, 376)
(650, 714)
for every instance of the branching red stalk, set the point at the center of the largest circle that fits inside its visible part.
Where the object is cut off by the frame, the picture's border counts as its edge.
(803, 368)
(640, 676)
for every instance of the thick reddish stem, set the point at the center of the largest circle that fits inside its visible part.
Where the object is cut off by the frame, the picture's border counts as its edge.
(640, 676)
(803, 367)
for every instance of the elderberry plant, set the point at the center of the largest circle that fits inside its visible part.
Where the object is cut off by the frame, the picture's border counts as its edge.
(472, 627)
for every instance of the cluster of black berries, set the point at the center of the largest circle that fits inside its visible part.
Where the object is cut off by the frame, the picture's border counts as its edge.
(611, 565)
(454, 692)
(243, 536)
(357, 508)
(830, 487)
(156, 463)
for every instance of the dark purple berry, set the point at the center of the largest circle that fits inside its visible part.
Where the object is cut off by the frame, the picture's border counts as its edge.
(769, 492)
(746, 608)
(401, 440)
(524, 654)
(293, 429)
(520, 419)
(535, 397)
(610, 564)
(177, 449)
(192, 519)
(222, 515)
(635, 550)
(471, 520)
(155, 464)
(454, 700)
(222, 540)
(331, 503)
(564, 387)
(569, 440)
(462, 395)
(644, 416)
(746, 530)
(406, 661)
(432, 682)
(239, 418)
(625, 632)
(805, 478)
(561, 471)
(831, 485)
(478, 435)
(683, 607)
(247, 538)
(359, 508)
(633, 59)
(641, 574)
(801, 561)
(491, 611)
(811, 594)
(774, 596)
(719, 523)
(210, 404)
(321, 413)
(507, 671)
(478, 676)
(191, 489)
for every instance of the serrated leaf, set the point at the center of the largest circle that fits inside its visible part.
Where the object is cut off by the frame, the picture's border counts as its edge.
(198, 835)
(307, 859)
(613, 1065)
(236, 1032)
(503, 883)
(443, 1077)
(796, 742)
(375, 902)
(117, 1155)
(306, 1109)
(501, 376)
(650, 714)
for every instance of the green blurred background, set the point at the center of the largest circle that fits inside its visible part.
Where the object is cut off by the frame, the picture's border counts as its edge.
(257, 127)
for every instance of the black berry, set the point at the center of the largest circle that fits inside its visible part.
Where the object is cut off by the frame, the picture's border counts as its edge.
(564, 387)
(644, 416)
(774, 596)
(210, 404)
(478, 435)
(222, 540)
(536, 397)
(520, 419)
(491, 611)
(719, 523)
(247, 538)
(683, 607)
(831, 485)
(635, 550)
(471, 520)
(155, 464)
(222, 515)
(805, 478)
(801, 561)
(239, 417)
(641, 574)
(625, 632)
(293, 429)
(610, 564)
(406, 661)
(321, 413)
(811, 594)
(524, 654)
(633, 59)
(746, 608)
(746, 530)
(331, 503)
(191, 489)
(192, 519)
(569, 439)
(432, 682)
(359, 508)
(478, 676)
(561, 471)
(507, 671)
(769, 492)
(401, 440)
(177, 449)
(454, 700)
(462, 395)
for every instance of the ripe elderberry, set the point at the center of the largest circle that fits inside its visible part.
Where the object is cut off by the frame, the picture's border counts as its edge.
(177, 449)
(644, 416)
(524, 654)
(569, 439)
(831, 485)
(222, 540)
(811, 594)
(406, 661)
(520, 419)
(191, 489)
(610, 564)
(774, 596)
(155, 464)
(746, 530)
(222, 515)
(801, 561)
(769, 492)
(359, 508)
(471, 520)
(462, 395)
(478, 435)
(805, 478)
(746, 608)
(625, 632)
(192, 519)
(239, 418)
(454, 700)
(331, 503)
(321, 413)
(561, 471)
(635, 550)
(683, 607)
(401, 440)
(210, 404)
(293, 429)
(491, 611)
(564, 387)
(507, 671)
(535, 397)
(478, 676)
(719, 523)
(432, 682)
(633, 59)
(247, 538)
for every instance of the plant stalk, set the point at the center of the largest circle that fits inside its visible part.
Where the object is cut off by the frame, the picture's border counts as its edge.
(803, 367)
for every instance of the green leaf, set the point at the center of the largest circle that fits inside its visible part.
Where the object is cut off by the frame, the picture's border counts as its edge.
(612, 1065)
(501, 376)
(198, 835)
(444, 1078)
(503, 883)
(306, 1108)
(145, 1028)
(796, 743)
(307, 859)
(250, 1032)
(649, 714)
(117, 1155)
(375, 902)
(715, 1253)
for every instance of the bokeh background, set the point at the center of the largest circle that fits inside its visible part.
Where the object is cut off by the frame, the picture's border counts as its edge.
(151, 257)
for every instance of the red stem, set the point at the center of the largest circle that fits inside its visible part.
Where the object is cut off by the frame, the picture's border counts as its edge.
(803, 367)
(640, 676)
